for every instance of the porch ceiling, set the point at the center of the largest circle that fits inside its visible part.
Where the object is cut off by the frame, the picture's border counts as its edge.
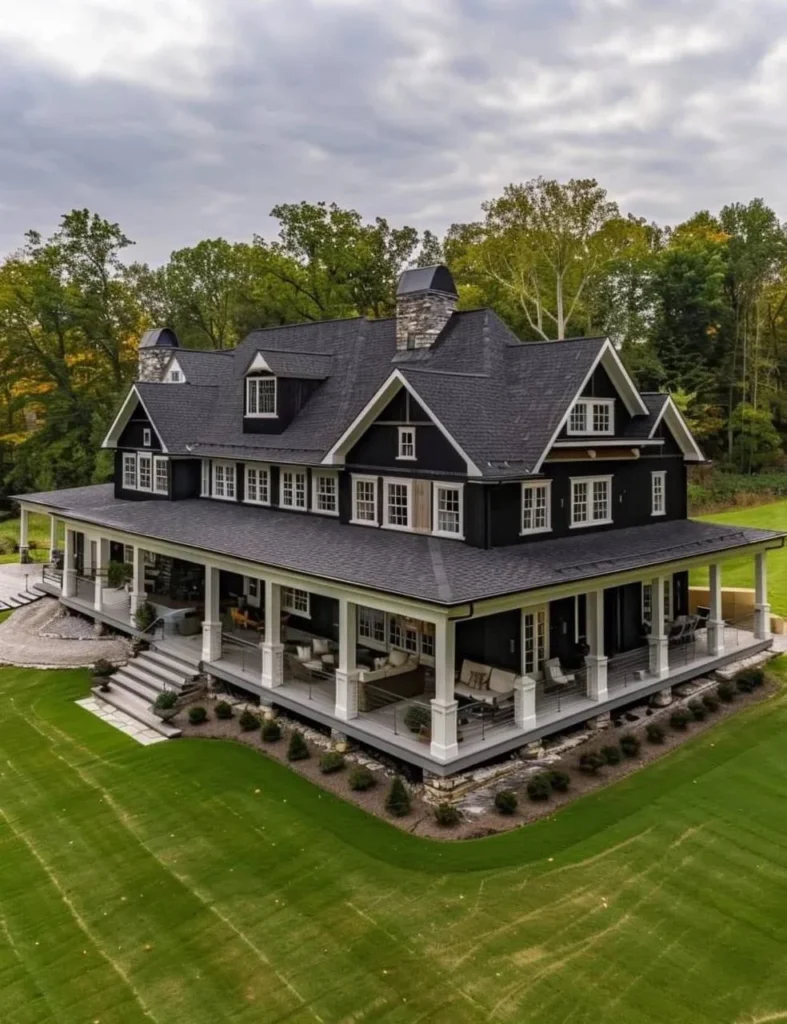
(442, 572)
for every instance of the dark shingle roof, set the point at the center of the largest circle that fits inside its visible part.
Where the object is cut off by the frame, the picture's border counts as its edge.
(640, 427)
(419, 567)
(178, 412)
(204, 366)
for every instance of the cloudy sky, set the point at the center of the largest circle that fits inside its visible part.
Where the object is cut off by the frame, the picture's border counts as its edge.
(183, 119)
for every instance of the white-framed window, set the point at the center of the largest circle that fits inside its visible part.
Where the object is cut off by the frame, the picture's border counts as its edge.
(296, 602)
(205, 479)
(592, 416)
(147, 437)
(224, 480)
(427, 641)
(403, 634)
(536, 507)
(397, 505)
(129, 471)
(293, 488)
(258, 485)
(161, 475)
(144, 472)
(406, 446)
(447, 513)
(261, 396)
(647, 601)
(175, 376)
(534, 640)
(325, 496)
(591, 500)
(658, 493)
(365, 499)
(128, 554)
(371, 627)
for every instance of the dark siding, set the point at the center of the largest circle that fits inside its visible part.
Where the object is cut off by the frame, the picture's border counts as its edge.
(600, 386)
(291, 396)
(132, 434)
(403, 408)
(185, 478)
(323, 620)
(476, 501)
(378, 447)
(492, 640)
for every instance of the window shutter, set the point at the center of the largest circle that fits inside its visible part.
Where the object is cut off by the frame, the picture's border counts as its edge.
(422, 506)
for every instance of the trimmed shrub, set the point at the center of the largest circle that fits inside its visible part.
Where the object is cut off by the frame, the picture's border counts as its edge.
(749, 679)
(332, 761)
(611, 754)
(119, 573)
(655, 732)
(271, 731)
(539, 787)
(361, 779)
(104, 668)
(297, 749)
(506, 801)
(559, 781)
(697, 709)
(725, 691)
(166, 700)
(629, 744)
(590, 763)
(447, 815)
(710, 702)
(417, 717)
(145, 616)
(248, 721)
(223, 710)
(398, 801)
(680, 718)
(198, 715)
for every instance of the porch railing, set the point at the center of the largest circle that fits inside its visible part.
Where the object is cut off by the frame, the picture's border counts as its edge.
(402, 715)
(479, 720)
(52, 575)
(242, 654)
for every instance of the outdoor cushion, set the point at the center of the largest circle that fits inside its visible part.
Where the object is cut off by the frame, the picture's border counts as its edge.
(381, 662)
(304, 652)
(321, 646)
(473, 666)
(501, 681)
(397, 658)
(478, 681)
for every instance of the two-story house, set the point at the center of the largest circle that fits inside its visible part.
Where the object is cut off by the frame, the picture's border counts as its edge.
(419, 531)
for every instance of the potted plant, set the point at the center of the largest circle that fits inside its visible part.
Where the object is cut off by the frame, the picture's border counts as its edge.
(165, 705)
(102, 670)
(418, 717)
(119, 574)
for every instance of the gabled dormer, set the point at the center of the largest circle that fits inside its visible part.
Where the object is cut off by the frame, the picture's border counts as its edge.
(277, 385)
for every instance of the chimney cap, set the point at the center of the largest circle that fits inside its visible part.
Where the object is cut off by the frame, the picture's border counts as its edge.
(427, 279)
(159, 337)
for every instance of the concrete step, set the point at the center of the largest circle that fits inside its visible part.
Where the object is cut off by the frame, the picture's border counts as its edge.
(153, 672)
(136, 709)
(168, 660)
(142, 688)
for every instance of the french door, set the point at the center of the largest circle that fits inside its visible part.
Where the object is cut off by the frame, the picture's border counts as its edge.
(535, 626)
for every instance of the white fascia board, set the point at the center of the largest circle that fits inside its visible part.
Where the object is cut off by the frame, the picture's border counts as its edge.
(122, 418)
(258, 363)
(673, 417)
(375, 405)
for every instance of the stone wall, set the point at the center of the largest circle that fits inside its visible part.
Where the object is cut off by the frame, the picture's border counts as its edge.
(152, 362)
(421, 316)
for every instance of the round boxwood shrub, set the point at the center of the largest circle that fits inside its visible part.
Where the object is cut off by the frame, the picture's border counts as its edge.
(361, 779)
(332, 761)
(629, 744)
(539, 787)
(271, 731)
(680, 718)
(447, 815)
(198, 715)
(559, 781)
(590, 763)
(297, 749)
(697, 709)
(725, 691)
(248, 721)
(506, 801)
(417, 717)
(611, 754)
(223, 710)
(397, 802)
(103, 668)
(166, 700)
(710, 702)
(748, 679)
(655, 732)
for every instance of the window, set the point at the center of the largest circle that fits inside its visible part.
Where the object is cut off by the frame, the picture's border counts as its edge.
(258, 485)
(260, 396)
(403, 634)
(406, 443)
(592, 416)
(205, 484)
(534, 640)
(224, 480)
(161, 475)
(325, 498)
(146, 437)
(145, 472)
(658, 495)
(448, 511)
(371, 626)
(296, 602)
(128, 554)
(293, 489)
(129, 471)
(647, 601)
(175, 376)
(427, 640)
(397, 504)
(365, 499)
(536, 511)
(591, 500)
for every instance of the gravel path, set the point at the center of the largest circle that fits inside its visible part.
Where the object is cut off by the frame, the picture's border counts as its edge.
(41, 635)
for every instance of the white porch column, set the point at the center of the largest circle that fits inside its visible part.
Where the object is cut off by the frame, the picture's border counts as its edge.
(444, 718)
(138, 595)
(53, 524)
(715, 621)
(101, 566)
(272, 647)
(658, 640)
(69, 566)
(211, 624)
(762, 610)
(596, 661)
(347, 673)
(24, 526)
(525, 702)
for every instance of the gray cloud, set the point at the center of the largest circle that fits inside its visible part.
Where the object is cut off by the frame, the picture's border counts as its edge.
(186, 120)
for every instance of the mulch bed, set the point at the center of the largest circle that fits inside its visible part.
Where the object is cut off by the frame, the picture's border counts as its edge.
(421, 820)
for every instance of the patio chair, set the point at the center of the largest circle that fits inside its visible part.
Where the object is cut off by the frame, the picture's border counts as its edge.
(240, 618)
(554, 674)
(703, 614)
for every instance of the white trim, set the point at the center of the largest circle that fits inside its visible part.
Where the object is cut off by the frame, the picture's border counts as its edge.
(261, 415)
(157, 461)
(389, 481)
(677, 424)
(535, 610)
(658, 474)
(533, 485)
(147, 437)
(226, 466)
(584, 524)
(132, 457)
(206, 475)
(374, 481)
(258, 363)
(401, 443)
(173, 366)
(141, 457)
(295, 473)
(336, 454)
(598, 441)
(259, 469)
(323, 474)
(437, 486)
(122, 419)
(588, 405)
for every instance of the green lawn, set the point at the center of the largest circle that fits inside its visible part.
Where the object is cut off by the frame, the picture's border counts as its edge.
(38, 533)
(196, 881)
(740, 572)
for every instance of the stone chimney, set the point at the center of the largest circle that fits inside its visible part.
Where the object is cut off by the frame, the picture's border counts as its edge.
(425, 299)
(155, 349)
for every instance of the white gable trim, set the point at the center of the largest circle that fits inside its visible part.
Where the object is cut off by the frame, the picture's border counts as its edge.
(624, 385)
(673, 417)
(121, 420)
(173, 364)
(258, 363)
(372, 409)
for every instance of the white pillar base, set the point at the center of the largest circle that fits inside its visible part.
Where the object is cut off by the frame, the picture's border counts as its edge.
(762, 622)
(658, 656)
(69, 582)
(98, 594)
(272, 665)
(525, 702)
(444, 743)
(211, 641)
(597, 676)
(715, 637)
(346, 695)
(24, 555)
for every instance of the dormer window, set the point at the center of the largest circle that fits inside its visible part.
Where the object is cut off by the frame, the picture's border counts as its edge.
(592, 416)
(406, 448)
(261, 396)
(146, 437)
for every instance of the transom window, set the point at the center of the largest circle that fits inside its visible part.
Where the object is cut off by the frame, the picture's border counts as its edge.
(591, 500)
(365, 499)
(536, 511)
(224, 480)
(658, 495)
(592, 416)
(448, 510)
(258, 485)
(397, 504)
(129, 471)
(161, 475)
(293, 489)
(145, 472)
(326, 498)
(406, 443)
(260, 396)
(296, 602)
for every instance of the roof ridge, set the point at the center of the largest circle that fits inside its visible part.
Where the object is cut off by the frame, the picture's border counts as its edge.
(306, 323)
(557, 341)
(302, 352)
(443, 373)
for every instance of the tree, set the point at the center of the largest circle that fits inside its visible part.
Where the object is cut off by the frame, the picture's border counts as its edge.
(757, 443)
